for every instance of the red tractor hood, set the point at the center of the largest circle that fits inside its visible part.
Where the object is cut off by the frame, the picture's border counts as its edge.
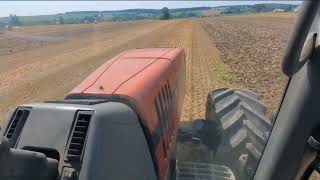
(117, 71)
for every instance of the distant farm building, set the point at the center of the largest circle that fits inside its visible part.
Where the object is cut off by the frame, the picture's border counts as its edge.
(278, 10)
(211, 13)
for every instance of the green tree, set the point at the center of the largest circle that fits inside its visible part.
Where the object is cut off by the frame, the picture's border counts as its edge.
(14, 20)
(259, 7)
(61, 21)
(100, 17)
(289, 8)
(165, 14)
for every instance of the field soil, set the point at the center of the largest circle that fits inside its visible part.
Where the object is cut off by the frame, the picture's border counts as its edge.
(45, 62)
(252, 47)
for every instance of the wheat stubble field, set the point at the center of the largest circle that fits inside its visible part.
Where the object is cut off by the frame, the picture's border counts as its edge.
(40, 63)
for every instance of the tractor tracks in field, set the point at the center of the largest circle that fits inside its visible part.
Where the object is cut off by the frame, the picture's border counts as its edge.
(39, 74)
(36, 75)
(205, 71)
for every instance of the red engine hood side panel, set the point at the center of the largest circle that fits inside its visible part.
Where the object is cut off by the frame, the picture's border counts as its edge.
(171, 55)
(147, 85)
(119, 72)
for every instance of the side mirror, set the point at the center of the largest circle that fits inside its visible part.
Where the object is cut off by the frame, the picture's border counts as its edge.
(308, 48)
(303, 41)
(197, 124)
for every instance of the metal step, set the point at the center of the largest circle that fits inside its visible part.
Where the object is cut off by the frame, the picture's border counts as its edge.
(202, 171)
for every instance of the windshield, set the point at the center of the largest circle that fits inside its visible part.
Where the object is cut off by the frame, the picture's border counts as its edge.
(233, 79)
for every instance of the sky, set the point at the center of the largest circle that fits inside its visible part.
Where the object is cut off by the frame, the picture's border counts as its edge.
(29, 8)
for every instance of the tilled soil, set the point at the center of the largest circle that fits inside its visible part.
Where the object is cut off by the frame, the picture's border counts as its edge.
(205, 72)
(49, 72)
(221, 52)
(252, 47)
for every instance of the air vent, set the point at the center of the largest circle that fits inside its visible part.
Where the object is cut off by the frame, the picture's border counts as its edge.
(16, 125)
(78, 136)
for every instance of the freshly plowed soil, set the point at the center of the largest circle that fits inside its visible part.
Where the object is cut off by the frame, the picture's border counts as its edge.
(45, 62)
(51, 71)
(252, 47)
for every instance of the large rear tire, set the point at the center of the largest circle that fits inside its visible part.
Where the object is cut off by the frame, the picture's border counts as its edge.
(241, 117)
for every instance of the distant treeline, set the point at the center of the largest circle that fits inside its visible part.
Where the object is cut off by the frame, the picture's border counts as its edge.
(77, 17)
(142, 10)
(257, 8)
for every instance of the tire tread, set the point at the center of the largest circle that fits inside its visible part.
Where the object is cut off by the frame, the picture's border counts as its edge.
(245, 127)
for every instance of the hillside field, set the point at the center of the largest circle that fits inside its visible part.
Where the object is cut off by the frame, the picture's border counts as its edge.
(40, 63)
